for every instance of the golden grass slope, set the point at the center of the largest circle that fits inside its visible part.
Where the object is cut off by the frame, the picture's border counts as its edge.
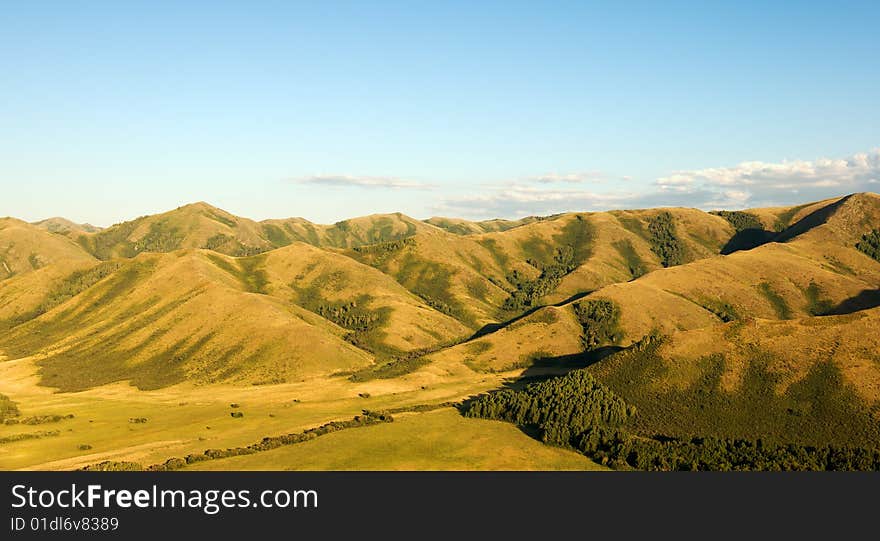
(818, 272)
(349, 233)
(792, 348)
(813, 381)
(456, 275)
(385, 316)
(65, 226)
(163, 319)
(197, 225)
(609, 247)
(25, 248)
(466, 227)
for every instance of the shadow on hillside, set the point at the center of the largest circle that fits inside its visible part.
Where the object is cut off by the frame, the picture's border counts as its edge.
(754, 237)
(868, 298)
(814, 219)
(489, 328)
(544, 369)
(550, 367)
(748, 239)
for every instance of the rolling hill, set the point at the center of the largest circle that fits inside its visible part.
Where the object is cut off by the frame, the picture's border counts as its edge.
(814, 273)
(65, 226)
(25, 248)
(729, 324)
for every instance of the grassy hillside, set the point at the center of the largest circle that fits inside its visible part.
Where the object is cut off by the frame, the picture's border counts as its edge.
(715, 330)
(25, 248)
(350, 233)
(198, 225)
(455, 275)
(65, 226)
(380, 314)
(811, 381)
(161, 319)
(465, 227)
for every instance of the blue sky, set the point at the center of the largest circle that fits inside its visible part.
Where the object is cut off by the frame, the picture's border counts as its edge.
(329, 110)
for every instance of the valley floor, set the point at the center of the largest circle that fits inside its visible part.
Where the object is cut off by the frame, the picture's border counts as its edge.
(436, 440)
(121, 423)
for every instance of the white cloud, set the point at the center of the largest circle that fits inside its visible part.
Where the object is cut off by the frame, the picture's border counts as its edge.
(775, 183)
(363, 182)
(517, 200)
(569, 178)
(749, 184)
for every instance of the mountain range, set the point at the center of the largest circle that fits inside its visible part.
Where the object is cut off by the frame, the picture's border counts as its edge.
(197, 295)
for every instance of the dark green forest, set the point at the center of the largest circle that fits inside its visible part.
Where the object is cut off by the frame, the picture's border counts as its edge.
(701, 428)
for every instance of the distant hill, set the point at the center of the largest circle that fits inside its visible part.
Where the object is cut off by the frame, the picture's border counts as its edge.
(199, 294)
(465, 227)
(65, 226)
(25, 248)
(350, 233)
(816, 272)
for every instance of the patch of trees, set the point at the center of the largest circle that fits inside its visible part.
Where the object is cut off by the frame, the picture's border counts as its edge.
(422, 408)
(381, 251)
(159, 239)
(348, 315)
(619, 449)
(231, 246)
(664, 241)
(741, 221)
(103, 244)
(29, 436)
(37, 419)
(366, 419)
(560, 409)
(575, 245)
(870, 244)
(8, 408)
(114, 465)
(702, 428)
(433, 282)
(599, 319)
(528, 292)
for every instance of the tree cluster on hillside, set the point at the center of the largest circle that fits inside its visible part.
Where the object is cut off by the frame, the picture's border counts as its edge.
(231, 246)
(527, 291)
(741, 221)
(870, 244)
(349, 315)
(8, 408)
(599, 319)
(578, 411)
(381, 251)
(560, 408)
(620, 449)
(664, 241)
